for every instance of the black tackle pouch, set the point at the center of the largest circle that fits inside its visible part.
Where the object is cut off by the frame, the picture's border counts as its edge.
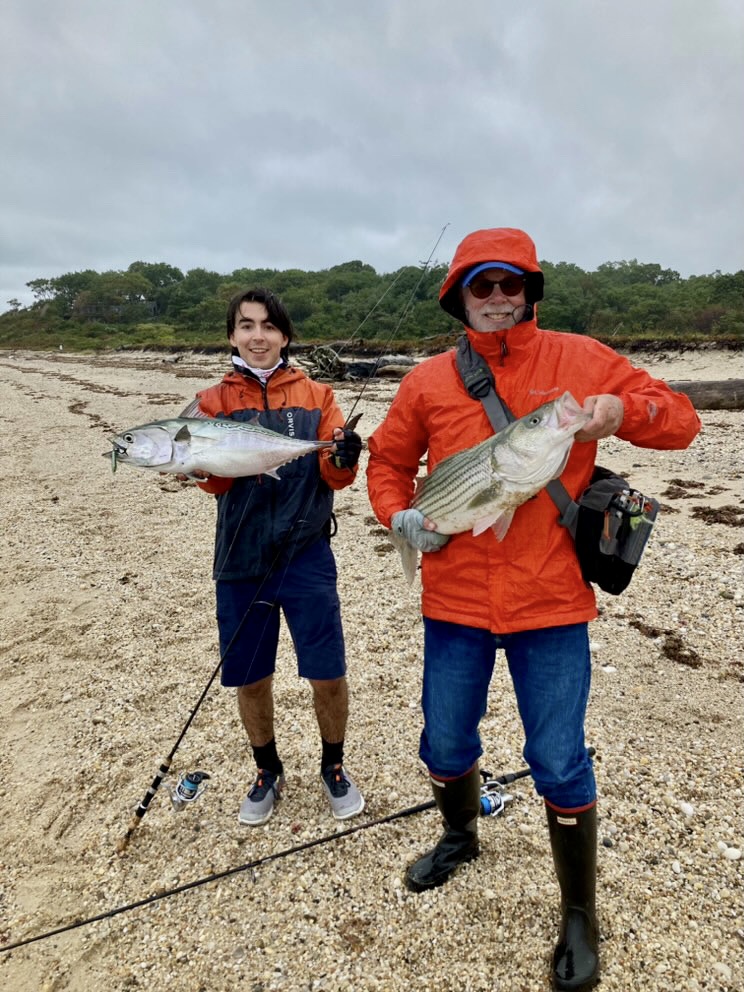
(613, 525)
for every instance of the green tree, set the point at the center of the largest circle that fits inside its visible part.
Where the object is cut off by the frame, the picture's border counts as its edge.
(197, 285)
(62, 291)
(728, 290)
(351, 302)
(163, 278)
(158, 274)
(638, 272)
(116, 296)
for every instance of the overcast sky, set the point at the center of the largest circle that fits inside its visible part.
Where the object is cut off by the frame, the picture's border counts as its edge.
(296, 134)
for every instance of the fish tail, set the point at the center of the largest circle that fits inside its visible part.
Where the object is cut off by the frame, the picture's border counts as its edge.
(408, 555)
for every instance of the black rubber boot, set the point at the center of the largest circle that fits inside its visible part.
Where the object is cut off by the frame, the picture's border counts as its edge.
(459, 803)
(573, 839)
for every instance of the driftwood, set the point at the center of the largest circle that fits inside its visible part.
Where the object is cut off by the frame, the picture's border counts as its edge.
(725, 394)
(324, 362)
(393, 371)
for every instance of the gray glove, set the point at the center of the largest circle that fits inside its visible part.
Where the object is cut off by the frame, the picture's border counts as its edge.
(410, 525)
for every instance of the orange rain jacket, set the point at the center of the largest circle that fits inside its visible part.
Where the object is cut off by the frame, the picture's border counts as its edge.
(531, 579)
(263, 522)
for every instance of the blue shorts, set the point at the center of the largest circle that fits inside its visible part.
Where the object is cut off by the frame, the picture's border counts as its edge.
(248, 620)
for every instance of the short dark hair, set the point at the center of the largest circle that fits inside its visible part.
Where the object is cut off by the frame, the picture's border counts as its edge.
(278, 313)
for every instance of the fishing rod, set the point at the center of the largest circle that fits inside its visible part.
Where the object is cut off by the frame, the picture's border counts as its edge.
(185, 795)
(184, 791)
(491, 786)
(190, 786)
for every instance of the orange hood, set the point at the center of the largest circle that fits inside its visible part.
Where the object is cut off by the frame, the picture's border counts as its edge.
(495, 244)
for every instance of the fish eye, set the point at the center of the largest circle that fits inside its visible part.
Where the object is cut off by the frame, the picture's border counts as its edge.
(129, 438)
(534, 421)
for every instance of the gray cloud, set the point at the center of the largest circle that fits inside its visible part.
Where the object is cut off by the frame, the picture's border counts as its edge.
(303, 135)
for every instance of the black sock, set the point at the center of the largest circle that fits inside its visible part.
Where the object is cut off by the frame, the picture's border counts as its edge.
(333, 754)
(266, 758)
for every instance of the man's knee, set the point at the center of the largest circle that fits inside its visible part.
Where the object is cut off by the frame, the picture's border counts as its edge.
(255, 690)
(329, 689)
(568, 786)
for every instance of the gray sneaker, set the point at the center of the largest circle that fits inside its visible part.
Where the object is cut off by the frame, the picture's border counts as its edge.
(345, 799)
(258, 805)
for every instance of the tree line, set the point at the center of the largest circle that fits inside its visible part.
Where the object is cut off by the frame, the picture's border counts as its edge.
(153, 304)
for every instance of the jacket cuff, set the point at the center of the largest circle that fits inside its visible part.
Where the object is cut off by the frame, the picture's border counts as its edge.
(215, 485)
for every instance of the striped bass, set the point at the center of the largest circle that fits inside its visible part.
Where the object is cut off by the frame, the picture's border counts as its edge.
(222, 447)
(482, 487)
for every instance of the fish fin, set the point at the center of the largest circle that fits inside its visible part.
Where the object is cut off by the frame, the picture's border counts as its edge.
(484, 523)
(194, 412)
(272, 472)
(499, 525)
(408, 555)
(502, 525)
(184, 434)
(351, 423)
(418, 484)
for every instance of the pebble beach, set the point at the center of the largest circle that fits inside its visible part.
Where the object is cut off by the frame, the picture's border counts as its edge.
(108, 641)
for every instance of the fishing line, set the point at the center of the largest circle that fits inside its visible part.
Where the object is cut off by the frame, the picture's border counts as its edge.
(257, 862)
(395, 330)
(350, 340)
(376, 304)
(350, 423)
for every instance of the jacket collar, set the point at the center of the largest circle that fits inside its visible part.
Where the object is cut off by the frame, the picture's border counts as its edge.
(238, 375)
(502, 347)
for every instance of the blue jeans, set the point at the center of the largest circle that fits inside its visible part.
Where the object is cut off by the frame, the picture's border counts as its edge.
(550, 671)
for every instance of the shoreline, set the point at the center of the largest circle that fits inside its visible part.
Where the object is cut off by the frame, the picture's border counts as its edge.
(374, 348)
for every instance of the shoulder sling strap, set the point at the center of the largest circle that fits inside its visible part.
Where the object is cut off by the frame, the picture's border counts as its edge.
(478, 380)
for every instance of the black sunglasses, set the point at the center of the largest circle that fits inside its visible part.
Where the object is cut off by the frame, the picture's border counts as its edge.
(481, 287)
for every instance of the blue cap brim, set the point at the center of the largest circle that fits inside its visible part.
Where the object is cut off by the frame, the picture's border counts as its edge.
(490, 265)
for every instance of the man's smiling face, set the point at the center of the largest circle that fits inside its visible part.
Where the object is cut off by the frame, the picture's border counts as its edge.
(258, 341)
(495, 311)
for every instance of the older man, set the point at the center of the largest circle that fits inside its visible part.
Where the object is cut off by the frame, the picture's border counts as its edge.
(525, 594)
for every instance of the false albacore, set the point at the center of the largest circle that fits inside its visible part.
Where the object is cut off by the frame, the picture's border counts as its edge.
(481, 487)
(192, 443)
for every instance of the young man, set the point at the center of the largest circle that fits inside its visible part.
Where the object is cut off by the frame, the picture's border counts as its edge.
(272, 550)
(524, 594)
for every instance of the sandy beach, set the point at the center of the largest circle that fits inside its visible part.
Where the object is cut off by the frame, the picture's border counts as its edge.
(108, 639)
